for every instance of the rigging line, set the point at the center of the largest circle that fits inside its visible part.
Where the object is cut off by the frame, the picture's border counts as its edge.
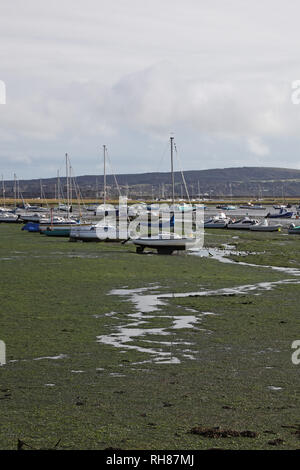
(76, 185)
(73, 180)
(60, 195)
(21, 194)
(112, 170)
(116, 181)
(61, 192)
(182, 175)
(18, 191)
(163, 156)
(43, 194)
(62, 185)
(77, 188)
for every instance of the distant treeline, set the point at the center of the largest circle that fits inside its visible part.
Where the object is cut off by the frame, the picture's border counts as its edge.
(254, 182)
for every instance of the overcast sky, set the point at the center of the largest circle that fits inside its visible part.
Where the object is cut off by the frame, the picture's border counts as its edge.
(127, 73)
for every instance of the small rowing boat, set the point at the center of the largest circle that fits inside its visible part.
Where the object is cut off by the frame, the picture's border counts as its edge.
(294, 229)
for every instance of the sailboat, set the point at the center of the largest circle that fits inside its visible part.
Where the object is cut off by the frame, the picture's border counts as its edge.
(166, 242)
(283, 214)
(104, 209)
(3, 209)
(102, 230)
(9, 218)
(61, 228)
(294, 229)
(6, 215)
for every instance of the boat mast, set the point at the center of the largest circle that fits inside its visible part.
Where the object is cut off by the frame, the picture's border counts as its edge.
(104, 175)
(58, 190)
(67, 177)
(3, 191)
(97, 191)
(172, 171)
(71, 182)
(15, 189)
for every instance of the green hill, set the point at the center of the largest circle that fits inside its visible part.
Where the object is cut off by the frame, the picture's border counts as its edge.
(244, 181)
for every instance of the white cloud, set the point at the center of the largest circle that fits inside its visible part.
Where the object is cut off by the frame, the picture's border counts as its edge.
(257, 147)
(219, 76)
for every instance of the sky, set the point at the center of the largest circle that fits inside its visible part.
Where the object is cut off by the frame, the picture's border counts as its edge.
(215, 74)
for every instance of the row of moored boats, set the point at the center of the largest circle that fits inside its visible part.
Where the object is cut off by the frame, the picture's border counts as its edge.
(247, 223)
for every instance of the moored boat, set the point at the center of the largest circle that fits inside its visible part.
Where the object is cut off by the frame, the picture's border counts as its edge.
(167, 242)
(283, 214)
(242, 224)
(294, 229)
(36, 217)
(265, 227)
(94, 233)
(164, 243)
(57, 231)
(257, 207)
(218, 221)
(64, 207)
(31, 227)
(29, 208)
(9, 218)
(226, 207)
(56, 220)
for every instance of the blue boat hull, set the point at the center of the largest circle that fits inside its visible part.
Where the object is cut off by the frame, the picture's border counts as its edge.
(287, 215)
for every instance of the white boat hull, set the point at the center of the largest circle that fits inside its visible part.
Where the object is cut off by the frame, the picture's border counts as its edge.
(44, 227)
(215, 224)
(165, 245)
(9, 218)
(94, 233)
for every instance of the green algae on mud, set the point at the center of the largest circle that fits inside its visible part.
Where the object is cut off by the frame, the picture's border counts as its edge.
(60, 382)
